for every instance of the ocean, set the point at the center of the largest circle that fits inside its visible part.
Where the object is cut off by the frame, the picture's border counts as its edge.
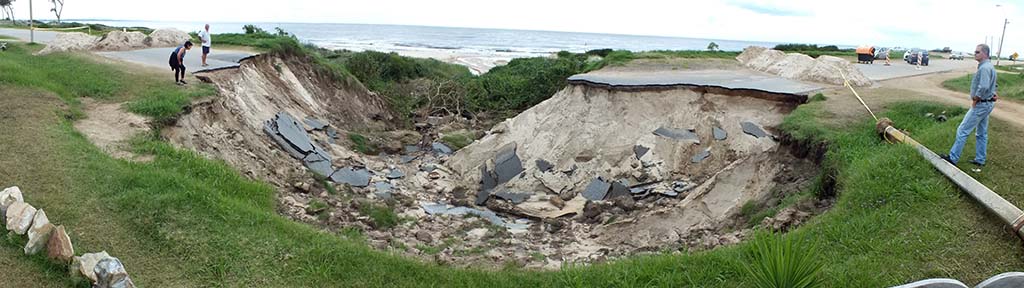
(399, 37)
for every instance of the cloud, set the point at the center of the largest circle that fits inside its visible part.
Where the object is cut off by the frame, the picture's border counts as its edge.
(770, 10)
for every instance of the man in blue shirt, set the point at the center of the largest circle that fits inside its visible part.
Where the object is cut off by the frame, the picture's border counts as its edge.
(983, 99)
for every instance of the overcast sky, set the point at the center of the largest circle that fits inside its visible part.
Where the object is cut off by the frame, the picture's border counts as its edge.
(909, 23)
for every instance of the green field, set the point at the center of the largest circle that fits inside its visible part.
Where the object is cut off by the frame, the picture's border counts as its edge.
(1011, 85)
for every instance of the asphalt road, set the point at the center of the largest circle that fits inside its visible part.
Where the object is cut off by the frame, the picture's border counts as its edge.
(43, 37)
(731, 79)
(157, 57)
(900, 69)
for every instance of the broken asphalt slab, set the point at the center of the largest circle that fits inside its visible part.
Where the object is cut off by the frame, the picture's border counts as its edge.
(507, 164)
(315, 124)
(319, 164)
(703, 154)
(677, 134)
(740, 80)
(514, 197)
(395, 174)
(753, 129)
(441, 148)
(357, 177)
(544, 166)
(719, 133)
(597, 189)
(640, 151)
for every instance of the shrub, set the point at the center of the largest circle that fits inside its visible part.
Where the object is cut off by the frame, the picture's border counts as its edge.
(784, 262)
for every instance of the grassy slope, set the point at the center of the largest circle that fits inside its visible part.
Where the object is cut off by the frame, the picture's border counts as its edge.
(1011, 85)
(186, 221)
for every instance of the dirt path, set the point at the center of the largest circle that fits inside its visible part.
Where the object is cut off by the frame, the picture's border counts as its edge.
(110, 128)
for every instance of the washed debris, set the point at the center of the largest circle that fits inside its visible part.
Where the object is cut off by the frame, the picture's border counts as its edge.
(406, 159)
(443, 209)
(677, 134)
(700, 156)
(441, 148)
(315, 124)
(357, 177)
(719, 133)
(753, 129)
(640, 151)
(597, 189)
(619, 189)
(319, 164)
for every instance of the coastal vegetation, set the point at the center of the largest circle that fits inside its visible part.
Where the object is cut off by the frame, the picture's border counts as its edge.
(815, 50)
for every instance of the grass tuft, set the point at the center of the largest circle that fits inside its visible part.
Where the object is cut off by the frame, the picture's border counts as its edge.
(784, 262)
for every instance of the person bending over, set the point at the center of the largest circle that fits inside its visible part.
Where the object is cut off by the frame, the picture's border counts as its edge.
(177, 62)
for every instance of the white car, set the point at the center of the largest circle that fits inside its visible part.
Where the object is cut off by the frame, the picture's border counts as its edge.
(956, 56)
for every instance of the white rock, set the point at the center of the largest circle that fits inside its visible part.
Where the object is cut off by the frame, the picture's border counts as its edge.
(19, 217)
(7, 197)
(39, 235)
(87, 262)
(110, 273)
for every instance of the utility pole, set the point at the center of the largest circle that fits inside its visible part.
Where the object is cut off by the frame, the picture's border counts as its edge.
(31, 24)
(1000, 53)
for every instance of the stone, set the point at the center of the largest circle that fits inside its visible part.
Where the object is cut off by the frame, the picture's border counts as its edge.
(424, 236)
(567, 194)
(395, 174)
(110, 273)
(597, 189)
(677, 134)
(557, 202)
(514, 197)
(86, 264)
(332, 133)
(487, 179)
(753, 129)
(409, 149)
(626, 203)
(315, 124)
(592, 209)
(544, 166)
(507, 164)
(383, 187)
(442, 149)
(357, 177)
(476, 234)
(719, 133)
(442, 209)
(59, 246)
(292, 132)
(934, 283)
(9, 196)
(19, 217)
(39, 234)
(1004, 280)
(428, 167)
(640, 151)
(700, 156)
(482, 196)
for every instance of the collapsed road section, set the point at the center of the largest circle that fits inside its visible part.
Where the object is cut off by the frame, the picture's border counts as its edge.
(604, 168)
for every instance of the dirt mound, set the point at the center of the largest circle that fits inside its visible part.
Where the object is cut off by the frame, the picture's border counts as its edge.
(71, 41)
(120, 41)
(824, 69)
(168, 37)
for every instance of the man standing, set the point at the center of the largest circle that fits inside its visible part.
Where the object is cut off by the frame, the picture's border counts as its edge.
(205, 37)
(983, 99)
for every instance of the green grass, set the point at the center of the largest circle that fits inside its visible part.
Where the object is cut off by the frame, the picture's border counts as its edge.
(784, 262)
(185, 220)
(363, 145)
(457, 140)
(381, 216)
(1011, 85)
(1011, 68)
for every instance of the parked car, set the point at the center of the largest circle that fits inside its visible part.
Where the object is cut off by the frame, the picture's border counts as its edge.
(912, 55)
(956, 56)
(881, 53)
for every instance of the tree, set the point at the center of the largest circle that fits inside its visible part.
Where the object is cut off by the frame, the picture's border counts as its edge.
(58, 8)
(7, 9)
(712, 46)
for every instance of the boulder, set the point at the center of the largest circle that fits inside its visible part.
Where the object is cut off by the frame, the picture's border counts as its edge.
(110, 273)
(169, 37)
(7, 197)
(39, 234)
(19, 217)
(86, 264)
(59, 247)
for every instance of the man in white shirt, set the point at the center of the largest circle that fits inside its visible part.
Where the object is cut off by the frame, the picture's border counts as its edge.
(205, 37)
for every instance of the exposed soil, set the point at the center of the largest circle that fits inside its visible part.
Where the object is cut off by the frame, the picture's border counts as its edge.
(110, 127)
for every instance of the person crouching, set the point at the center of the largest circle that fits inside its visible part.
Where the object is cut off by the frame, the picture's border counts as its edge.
(177, 62)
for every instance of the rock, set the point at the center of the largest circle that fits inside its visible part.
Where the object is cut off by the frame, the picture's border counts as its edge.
(597, 189)
(507, 164)
(39, 234)
(168, 37)
(753, 129)
(424, 236)
(626, 203)
(593, 209)
(567, 194)
(314, 123)
(434, 175)
(544, 166)
(640, 150)
(59, 247)
(719, 133)
(514, 197)
(110, 273)
(9, 196)
(442, 149)
(19, 217)
(557, 202)
(678, 134)
(86, 264)
(395, 174)
(700, 156)
(357, 177)
(302, 186)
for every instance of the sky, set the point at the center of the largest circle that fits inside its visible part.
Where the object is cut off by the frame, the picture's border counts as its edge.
(907, 23)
